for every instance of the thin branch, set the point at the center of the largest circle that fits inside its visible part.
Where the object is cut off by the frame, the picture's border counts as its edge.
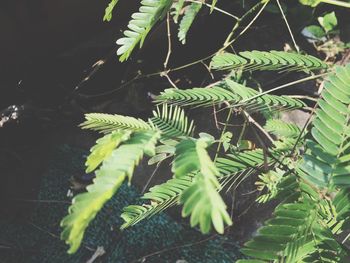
(287, 24)
(251, 120)
(215, 8)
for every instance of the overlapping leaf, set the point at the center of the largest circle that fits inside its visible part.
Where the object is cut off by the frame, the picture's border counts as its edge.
(113, 172)
(327, 160)
(150, 12)
(231, 92)
(263, 60)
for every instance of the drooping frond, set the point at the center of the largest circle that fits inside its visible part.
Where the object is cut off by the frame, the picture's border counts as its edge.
(190, 14)
(104, 148)
(109, 10)
(172, 121)
(160, 197)
(292, 235)
(177, 6)
(263, 60)
(201, 200)
(150, 12)
(113, 172)
(109, 122)
(327, 160)
(205, 205)
(280, 128)
(191, 156)
(163, 196)
(231, 92)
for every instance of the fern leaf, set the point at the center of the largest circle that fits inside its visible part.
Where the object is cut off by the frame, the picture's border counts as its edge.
(109, 10)
(238, 162)
(191, 156)
(107, 123)
(113, 172)
(160, 197)
(282, 129)
(163, 196)
(263, 60)
(178, 6)
(190, 14)
(231, 92)
(201, 200)
(104, 148)
(205, 205)
(141, 23)
(292, 235)
(327, 160)
(172, 121)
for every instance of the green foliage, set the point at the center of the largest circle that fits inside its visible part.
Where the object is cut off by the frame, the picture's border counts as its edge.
(141, 23)
(206, 207)
(109, 10)
(107, 123)
(328, 21)
(190, 14)
(104, 148)
(326, 162)
(231, 92)
(160, 197)
(263, 60)
(280, 128)
(306, 173)
(117, 167)
(295, 234)
(172, 121)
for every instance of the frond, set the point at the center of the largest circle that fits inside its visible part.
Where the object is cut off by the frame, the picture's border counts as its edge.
(238, 162)
(150, 12)
(231, 92)
(327, 160)
(201, 200)
(163, 196)
(280, 128)
(104, 148)
(190, 14)
(109, 10)
(109, 122)
(177, 6)
(172, 121)
(341, 203)
(292, 235)
(160, 197)
(204, 204)
(263, 60)
(191, 156)
(113, 172)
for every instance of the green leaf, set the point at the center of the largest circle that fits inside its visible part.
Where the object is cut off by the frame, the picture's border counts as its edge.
(191, 12)
(311, 3)
(141, 23)
(315, 32)
(114, 171)
(109, 10)
(172, 121)
(328, 22)
(104, 148)
(110, 122)
(205, 205)
(191, 156)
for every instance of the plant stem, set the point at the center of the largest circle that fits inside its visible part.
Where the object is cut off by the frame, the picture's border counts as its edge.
(337, 3)
(223, 132)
